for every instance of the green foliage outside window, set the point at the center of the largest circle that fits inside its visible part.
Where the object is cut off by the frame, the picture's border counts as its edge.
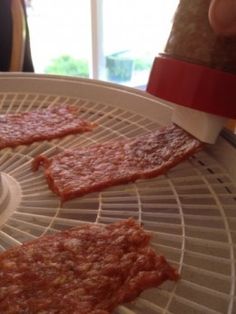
(121, 65)
(120, 68)
(142, 64)
(67, 65)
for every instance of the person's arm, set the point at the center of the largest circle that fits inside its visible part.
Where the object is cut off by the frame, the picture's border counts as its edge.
(6, 30)
(222, 17)
(5, 35)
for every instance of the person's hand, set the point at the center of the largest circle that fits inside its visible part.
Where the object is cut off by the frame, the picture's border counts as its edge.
(222, 17)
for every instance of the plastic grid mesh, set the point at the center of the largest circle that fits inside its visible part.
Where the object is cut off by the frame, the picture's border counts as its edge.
(191, 210)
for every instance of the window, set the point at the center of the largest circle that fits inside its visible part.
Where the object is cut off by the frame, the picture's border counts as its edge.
(114, 40)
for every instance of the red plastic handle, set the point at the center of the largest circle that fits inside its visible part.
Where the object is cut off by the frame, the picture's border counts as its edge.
(193, 86)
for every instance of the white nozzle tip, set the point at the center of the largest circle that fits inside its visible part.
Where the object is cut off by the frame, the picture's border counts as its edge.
(204, 126)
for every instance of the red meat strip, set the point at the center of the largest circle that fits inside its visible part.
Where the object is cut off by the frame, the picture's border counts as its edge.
(87, 269)
(76, 172)
(45, 124)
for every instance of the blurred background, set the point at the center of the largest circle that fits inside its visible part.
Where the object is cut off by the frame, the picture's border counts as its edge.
(111, 40)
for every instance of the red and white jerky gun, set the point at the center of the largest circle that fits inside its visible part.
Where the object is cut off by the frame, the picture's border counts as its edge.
(204, 97)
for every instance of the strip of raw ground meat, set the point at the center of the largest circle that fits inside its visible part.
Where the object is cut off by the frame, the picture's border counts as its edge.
(77, 172)
(44, 124)
(89, 269)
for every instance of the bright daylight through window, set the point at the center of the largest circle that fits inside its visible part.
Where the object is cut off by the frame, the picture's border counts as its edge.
(112, 40)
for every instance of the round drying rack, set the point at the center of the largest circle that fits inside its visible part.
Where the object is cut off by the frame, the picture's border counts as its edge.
(191, 211)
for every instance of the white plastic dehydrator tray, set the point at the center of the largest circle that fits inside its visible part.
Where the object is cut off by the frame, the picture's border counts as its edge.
(191, 210)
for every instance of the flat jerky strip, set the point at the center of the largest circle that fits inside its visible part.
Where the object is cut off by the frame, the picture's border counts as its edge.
(77, 172)
(46, 124)
(89, 269)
